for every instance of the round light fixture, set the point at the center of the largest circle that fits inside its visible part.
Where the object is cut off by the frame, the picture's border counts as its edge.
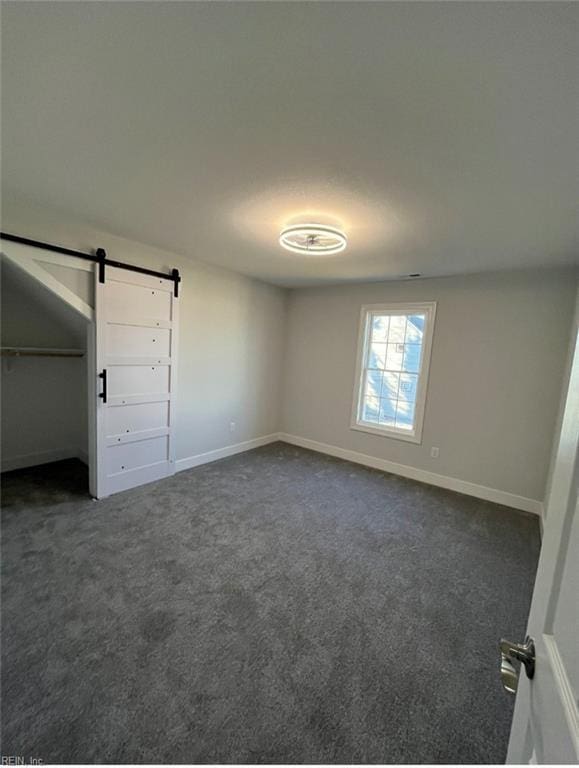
(312, 238)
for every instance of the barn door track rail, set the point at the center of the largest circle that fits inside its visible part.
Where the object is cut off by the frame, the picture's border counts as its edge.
(99, 257)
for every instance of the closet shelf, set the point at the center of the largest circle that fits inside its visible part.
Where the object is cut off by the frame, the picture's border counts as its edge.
(40, 352)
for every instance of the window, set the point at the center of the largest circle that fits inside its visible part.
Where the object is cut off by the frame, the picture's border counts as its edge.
(392, 369)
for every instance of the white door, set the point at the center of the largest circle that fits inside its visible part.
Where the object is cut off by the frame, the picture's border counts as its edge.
(136, 346)
(546, 721)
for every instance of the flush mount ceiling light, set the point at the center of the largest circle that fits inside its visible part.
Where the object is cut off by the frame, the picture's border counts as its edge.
(312, 238)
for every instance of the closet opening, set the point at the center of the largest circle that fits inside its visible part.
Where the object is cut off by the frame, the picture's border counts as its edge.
(45, 423)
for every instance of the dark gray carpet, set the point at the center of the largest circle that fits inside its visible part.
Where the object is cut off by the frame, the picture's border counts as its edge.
(277, 606)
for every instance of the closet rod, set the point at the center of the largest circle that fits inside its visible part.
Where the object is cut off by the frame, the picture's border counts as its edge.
(40, 352)
(98, 258)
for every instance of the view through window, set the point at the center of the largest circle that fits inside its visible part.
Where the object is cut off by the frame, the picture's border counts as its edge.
(392, 384)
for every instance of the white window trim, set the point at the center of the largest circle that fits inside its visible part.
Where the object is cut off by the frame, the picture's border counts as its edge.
(367, 311)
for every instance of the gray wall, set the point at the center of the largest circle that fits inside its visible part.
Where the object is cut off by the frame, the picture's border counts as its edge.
(498, 357)
(231, 334)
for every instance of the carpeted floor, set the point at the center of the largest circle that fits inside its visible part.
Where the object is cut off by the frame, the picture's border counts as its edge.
(279, 606)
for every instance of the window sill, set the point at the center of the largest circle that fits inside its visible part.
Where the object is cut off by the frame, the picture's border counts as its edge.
(408, 437)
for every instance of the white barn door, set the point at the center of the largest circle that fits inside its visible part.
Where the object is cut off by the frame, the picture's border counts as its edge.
(136, 348)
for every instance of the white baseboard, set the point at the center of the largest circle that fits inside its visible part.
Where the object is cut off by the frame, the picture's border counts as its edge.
(442, 481)
(222, 453)
(424, 476)
(34, 459)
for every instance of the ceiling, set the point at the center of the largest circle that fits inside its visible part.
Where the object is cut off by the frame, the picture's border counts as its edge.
(442, 137)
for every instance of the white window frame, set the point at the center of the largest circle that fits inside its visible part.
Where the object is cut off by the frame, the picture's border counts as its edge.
(367, 313)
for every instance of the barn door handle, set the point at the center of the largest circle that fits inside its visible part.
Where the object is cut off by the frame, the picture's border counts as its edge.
(103, 376)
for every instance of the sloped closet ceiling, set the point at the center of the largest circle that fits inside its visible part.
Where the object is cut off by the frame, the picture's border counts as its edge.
(33, 317)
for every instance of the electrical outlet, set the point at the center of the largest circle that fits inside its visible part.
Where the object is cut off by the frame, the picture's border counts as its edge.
(232, 426)
(434, 451)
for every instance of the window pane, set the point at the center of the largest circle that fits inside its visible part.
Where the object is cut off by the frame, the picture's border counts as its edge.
(388, 412)
(407, 391)
(390, 385)
(377, 357)
(391, 369)
(394, 355)
(373, 383)
(415, 328)
(405, 415)
(380, 328)
(412, 358)
(397, 329)
(370, 409)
